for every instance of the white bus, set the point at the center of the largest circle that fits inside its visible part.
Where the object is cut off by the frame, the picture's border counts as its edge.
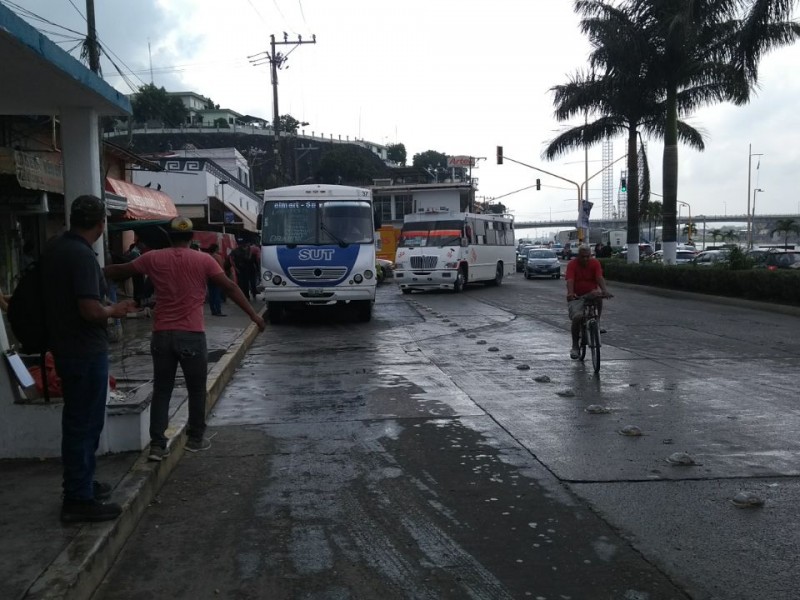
(447, 250)
(317, 248)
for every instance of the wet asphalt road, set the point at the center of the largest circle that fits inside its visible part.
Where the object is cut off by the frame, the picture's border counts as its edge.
(407, 459)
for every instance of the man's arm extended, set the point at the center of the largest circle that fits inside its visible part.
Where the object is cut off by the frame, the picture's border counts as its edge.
(233, 292)
(120, 272)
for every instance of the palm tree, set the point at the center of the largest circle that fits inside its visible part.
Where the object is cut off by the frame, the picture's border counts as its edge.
(689, 230)
(708, 51)
(786, 227)
(621, 90)
(653, 216)
(730, 235)
(716, 234)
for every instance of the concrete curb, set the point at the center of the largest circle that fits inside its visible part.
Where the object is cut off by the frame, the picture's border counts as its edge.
(785, 309)
(83, 563)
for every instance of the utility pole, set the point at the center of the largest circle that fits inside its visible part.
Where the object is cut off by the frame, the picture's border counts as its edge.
(92, 47)
(276, 60)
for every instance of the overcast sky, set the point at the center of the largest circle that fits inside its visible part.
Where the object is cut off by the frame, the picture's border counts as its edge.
(455, 77)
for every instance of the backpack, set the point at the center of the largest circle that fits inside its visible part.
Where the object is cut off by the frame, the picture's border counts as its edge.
(26, 311)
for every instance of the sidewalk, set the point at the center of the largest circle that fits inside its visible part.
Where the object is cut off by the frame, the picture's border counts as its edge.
(40, 557)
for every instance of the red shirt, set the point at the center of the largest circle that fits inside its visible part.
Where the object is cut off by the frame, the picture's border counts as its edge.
(180, 277)
(585, 277)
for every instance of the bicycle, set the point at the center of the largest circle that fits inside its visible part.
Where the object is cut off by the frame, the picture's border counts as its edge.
(590, 331)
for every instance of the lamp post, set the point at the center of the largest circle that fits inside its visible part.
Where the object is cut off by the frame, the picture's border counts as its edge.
(749, 167)
(222, 185)
(750, 239)
(689, 224)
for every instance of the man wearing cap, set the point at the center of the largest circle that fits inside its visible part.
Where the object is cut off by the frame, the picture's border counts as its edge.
(77, 318)
(180, 277)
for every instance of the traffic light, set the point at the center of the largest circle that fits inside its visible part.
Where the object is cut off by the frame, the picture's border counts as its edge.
(623, 185)
(499, 155)
(538, 184)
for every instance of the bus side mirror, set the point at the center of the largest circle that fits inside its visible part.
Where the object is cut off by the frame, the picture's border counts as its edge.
(464, 242)
(259, 221)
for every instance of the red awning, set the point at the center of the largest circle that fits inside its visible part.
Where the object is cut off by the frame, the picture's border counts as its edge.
(143, 202)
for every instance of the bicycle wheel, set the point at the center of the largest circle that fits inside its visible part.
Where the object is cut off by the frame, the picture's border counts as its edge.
(594, 344)
(582, 342)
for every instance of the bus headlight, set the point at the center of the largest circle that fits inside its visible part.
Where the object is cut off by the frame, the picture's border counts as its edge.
(267, 275)
(368, 274)
(358, 278)
(277, 280)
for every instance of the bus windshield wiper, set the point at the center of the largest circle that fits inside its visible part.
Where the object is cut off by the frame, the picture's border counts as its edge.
(338, 240)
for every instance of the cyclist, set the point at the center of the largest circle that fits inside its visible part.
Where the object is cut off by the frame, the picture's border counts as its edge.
(584, 278)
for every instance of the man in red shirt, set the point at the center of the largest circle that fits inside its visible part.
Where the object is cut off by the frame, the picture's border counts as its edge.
(584, 277)
(180, 276)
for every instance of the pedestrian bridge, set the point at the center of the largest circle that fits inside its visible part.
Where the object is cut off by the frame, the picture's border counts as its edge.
(759, 221)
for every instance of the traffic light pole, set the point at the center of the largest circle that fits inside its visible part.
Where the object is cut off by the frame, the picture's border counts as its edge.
(577, 185)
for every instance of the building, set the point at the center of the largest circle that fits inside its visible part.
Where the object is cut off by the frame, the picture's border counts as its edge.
(57, 161)
(215, 198)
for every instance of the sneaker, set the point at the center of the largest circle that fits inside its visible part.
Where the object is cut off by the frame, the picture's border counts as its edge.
(573, 354)
(77, 511)
(102, 491)
(157, 453)
(602, 330)
(196, 445)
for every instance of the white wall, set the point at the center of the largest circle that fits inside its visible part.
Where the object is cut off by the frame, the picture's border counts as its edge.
(437, 199)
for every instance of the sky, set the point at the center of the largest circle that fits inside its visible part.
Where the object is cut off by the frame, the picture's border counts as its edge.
(456, 77)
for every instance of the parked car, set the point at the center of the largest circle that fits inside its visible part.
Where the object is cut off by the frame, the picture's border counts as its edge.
(782, 260)
(682, 257)
(709, 258)
(542, 263)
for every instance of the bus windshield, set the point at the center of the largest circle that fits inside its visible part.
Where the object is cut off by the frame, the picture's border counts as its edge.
(431, 233)
(317, 222)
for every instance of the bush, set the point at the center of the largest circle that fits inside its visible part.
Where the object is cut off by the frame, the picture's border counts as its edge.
(782, 286)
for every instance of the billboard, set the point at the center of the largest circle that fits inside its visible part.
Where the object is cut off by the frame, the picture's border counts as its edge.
(460, 161)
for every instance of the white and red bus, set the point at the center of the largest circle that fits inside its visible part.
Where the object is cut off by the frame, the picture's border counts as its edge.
(447, 250)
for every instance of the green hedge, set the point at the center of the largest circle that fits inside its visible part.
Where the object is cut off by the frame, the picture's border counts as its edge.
(781, 286)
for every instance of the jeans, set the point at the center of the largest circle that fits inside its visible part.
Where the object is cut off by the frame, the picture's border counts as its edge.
(215, 298)
(84, 381)
(170, 349)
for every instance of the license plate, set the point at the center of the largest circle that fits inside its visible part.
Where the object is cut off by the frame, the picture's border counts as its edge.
(316, 292)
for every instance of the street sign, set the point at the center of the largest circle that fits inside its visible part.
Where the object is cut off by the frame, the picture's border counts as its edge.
(460, 161)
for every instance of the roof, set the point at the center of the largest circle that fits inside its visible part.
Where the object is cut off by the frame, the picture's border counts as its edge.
(41, 78)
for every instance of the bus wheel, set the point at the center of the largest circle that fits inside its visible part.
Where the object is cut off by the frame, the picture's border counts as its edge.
(276, 313)
(498, 276)
(460, 282)
(364, 311)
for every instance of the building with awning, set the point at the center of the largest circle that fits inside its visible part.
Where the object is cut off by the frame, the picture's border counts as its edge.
(141, 203)
(44, 89)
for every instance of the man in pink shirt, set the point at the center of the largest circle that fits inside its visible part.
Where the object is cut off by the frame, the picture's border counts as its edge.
(180, 276)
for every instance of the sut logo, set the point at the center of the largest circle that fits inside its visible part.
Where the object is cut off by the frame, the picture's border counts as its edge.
(315, 254)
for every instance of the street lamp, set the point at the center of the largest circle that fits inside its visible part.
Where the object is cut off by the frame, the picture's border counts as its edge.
(689, 225)
(749, 167)
(750, 239)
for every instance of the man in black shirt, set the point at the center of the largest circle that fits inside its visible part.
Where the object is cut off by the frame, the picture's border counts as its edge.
(77, 316)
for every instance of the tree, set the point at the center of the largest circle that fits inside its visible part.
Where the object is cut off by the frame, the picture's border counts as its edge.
(652, 216)
(290, 125)
(730, 235)
(716, 234)
(221, 123)
(349, 165)
(155, 104)
(621, 89)
(785, 227)
(396, 153)
(707, 51)
(435, 163)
